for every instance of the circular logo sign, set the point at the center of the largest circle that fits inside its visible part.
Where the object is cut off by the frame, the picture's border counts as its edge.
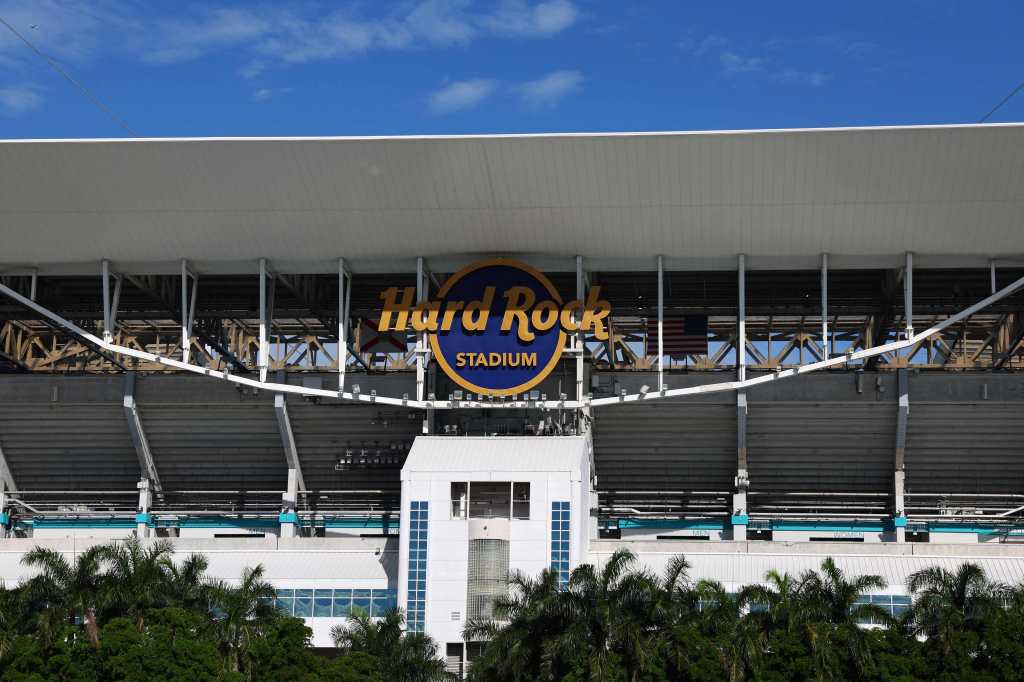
(501, 335)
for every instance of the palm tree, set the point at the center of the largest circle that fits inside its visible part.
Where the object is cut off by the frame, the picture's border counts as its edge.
(833, 610)
(138, 576)
(946, 602)
(522, 623)
(402, 656)
(186, 583)
(240, 613)
(779, 604)
(12, 613)
(610, 615)
(738, 638)
(72, 589)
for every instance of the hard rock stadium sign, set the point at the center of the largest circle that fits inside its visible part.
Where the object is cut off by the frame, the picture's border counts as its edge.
(496, 327)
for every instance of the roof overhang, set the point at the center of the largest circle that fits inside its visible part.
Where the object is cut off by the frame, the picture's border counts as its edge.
(954, 195)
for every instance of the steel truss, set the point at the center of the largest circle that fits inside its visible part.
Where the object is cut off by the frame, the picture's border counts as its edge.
(270, 343)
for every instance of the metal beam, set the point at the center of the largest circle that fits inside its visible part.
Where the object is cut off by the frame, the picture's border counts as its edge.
(824, 307)
(899, 453)
(661, 324)
(188, 309)
(6, 477)
(203, 337)
(291, 452)
(742, 482)
(139, 440)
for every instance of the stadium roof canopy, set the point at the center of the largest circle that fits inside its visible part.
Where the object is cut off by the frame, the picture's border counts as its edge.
(954, 195)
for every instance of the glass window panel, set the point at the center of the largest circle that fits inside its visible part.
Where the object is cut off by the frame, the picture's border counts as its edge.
(285, 605)
(342, 603)
(304, 603)
(322, 604)
(379, 603)
(361, 600)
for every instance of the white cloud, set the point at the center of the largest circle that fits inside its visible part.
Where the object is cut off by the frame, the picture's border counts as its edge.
(796, 77)
(262, 34)
(263, 94)
(549, 90)
(19, 100)
(515, 17)
(461, 95)
(252, 69)
(734, 63)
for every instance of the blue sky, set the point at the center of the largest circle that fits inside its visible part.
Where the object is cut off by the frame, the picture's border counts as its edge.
(455, 66)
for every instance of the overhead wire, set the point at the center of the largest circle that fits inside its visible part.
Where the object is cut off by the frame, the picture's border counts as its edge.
(96, 101)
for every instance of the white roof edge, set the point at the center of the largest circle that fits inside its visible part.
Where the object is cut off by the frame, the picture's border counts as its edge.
(500, 136)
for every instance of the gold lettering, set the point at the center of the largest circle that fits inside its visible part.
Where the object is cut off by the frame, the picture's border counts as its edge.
(424, 317)
(460, 359)
(570, 316)
(540, 322)
(483, 310)
(520, 299)
(594, 314)
(529, 359)
(449, 315)
(394, 306)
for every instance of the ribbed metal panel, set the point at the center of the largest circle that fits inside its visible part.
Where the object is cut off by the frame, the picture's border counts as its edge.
(835, 446)
(965, 448)
(68, 446)
(216, 446)
(665, 446)
(323, 434)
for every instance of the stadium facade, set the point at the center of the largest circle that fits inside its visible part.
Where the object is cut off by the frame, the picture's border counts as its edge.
(393, 369)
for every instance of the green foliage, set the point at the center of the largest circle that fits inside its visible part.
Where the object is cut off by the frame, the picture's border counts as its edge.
(620, 623)
(127, 611)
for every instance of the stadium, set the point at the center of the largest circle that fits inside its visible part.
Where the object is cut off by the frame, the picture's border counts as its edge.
(391, 370)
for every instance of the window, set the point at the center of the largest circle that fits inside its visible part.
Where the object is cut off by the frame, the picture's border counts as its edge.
(322, 603)
(285, 601)
(303, 603)
(490, 500)
(460, 500)
(520, 500)
(342, 603)
(361, 599)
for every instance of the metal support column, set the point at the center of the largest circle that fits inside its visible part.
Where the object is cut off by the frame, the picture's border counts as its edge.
(111, 300)
(422, 350)
(992, 274)
(581, 295)
(908, 296)
(342, 325)
(827, 349)
(7, 485)
(143, 517)
(264, 354)
(289, 500)
(742, 482)
(661, 324)
(131, 412)
(899, 467)
(188, 309)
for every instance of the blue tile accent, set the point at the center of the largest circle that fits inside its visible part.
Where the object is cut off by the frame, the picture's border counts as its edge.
(143, 517)
(740, 519)
(899, 522)
(288, 517)
(560, 541)
(416, 602)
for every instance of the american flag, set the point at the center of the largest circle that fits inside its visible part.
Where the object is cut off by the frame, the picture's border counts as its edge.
(686, 335)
